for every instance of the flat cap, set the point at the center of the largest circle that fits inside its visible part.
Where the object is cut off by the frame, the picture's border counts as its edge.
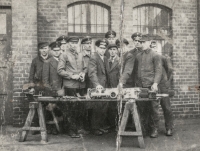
(136, 36)
(102, 42)
(110, 34)
(73, 39)
(111, 46)
(125, 41)
(62, 39)
(42, 44)
(55, 45)
(146, 37)
(85, 40)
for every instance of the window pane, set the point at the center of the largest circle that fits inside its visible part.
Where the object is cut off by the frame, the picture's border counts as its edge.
(3, 24)
(99, 20)
(106, 17)
(77, 18)
(83, 18)
(70, 20)
(93, 18)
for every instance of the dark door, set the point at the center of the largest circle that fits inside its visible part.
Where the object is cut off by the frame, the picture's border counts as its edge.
(6, 77)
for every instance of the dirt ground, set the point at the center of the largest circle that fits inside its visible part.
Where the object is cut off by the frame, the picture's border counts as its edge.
(186, 138)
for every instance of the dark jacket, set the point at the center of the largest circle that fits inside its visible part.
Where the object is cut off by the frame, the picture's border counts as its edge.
(50, 76)
(97, 71)
(149, 68)
(113, 73)
(71, 63)
(36, 70)
(128, 64)
(131, 81)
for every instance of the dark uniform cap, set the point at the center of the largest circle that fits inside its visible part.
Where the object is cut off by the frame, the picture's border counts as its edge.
(62, 39)
(117, 42)
(136, 36)
(42, 44)
(73, 39)
(110, 34)
(146, 38)
(103, 42)
(55, 45)
(111, 46)
(85, 40)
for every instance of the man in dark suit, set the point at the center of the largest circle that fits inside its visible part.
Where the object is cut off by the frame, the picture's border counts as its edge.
(111, 38)
(113, 71)
(63, 41)
(98, 78)
(72, 69)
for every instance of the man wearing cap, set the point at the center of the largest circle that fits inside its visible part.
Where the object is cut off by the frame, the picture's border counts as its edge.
(111, 37)
(136, 37)
(148, 76)
(98, 78)
(86, 44)
(72, 69)
(52, 80)
(113, 71)
(128, 62)
(163, 88)
(35, 76)
(63, 41)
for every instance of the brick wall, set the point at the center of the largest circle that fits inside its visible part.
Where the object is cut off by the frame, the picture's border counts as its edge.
(24, 49)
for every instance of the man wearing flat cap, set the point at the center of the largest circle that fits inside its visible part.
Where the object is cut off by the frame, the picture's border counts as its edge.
(98, 78)
(164, 87)
(135, 37)
(53, 81)
(111, 37)
(148, 76)
(128, 62)
(72, 69)
(35, 76)
(63, 41)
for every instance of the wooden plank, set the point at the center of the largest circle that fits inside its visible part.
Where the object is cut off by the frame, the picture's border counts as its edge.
(135, 117)
(42, 123)
(23, 134)
(126, 133)
(55, 121)
(33, 129)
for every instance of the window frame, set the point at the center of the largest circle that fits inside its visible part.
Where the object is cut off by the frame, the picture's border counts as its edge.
(88, 21)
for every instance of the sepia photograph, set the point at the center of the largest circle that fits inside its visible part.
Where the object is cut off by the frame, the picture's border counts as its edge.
(99, 75)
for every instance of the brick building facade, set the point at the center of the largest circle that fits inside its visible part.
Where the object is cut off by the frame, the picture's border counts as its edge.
(34, 21)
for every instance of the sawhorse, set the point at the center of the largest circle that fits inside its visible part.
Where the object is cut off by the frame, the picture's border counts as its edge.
(131, 107)
(33, 107)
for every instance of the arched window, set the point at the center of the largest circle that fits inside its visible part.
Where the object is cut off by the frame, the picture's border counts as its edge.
(88, 18)
(155, 20)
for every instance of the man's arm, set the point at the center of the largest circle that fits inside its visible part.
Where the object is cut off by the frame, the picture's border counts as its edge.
(46, 74)
(92, 72)
(157, 61)
(128, 68)
(62, 66)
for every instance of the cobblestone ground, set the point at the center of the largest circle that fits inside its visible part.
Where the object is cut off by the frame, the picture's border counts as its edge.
(186, 138)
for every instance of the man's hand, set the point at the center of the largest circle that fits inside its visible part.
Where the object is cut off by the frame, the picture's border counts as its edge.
(32, 91)
(99, 87)
(82, 76)
(75, 76)
(154, 87)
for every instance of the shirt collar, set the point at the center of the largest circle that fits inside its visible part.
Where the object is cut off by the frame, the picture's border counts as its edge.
(84, 54)
(102, 57)
(56, 58)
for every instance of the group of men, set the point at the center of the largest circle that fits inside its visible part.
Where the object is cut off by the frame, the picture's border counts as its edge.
(74, 70)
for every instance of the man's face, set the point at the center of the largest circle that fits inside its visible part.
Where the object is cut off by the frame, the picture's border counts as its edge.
(137, 43)
(87, 45)
(44, 51)
(111, 40)
(64, 47)
(101, 50)
(56, 53)
(145, 45)
(113, 51)
(73, 45)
